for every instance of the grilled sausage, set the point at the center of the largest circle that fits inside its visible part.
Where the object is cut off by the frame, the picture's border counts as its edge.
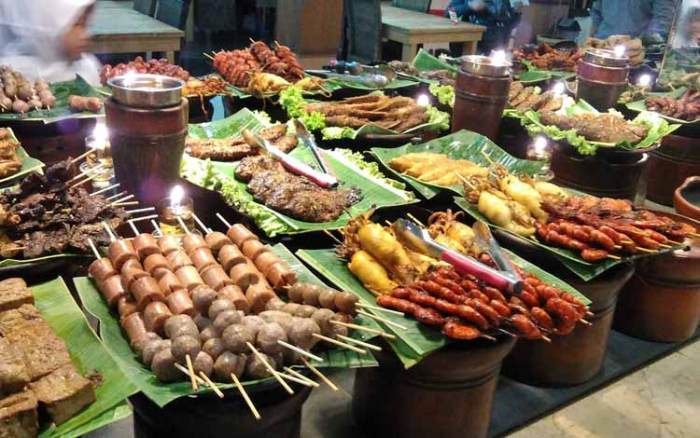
(189, 277)
(239, 234)
(168, 244)
(101, 269)
(180, 303)
(145, 244)
(112, 289)
(245, 275)
(252, 248)
(258, 295)
(169, 283)
(192, 242)
(216, 240)
(120, 251)
(234, 294)
(126, 306)
(134, 327)
(279, 275)
(230, 256)
(155, 261)
(177, 259)
(216, 278)
(202, 258)
(265, 260)
(154, 316)
(129, 275)
(146, 290)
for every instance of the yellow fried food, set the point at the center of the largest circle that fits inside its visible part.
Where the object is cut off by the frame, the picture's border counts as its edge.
(437, 169)
(549, 190)
(445, 240)
(524, 194)
(404, 162)
(370, 273)
(384, 247)
(461, 233)
(494, 208)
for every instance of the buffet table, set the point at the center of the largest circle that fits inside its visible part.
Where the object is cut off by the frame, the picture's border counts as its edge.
(412, 28)
(118, 29)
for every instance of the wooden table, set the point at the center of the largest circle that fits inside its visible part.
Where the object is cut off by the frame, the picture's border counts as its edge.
(119, 29)
(412, 28)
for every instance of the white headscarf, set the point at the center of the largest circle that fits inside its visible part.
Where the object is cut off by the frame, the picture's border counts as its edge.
(30, 39)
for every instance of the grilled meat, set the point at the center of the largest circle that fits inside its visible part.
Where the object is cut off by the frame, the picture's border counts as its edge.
(19, 416)
(235, 148)
(604, 127)
(63, 392)
(293, 195)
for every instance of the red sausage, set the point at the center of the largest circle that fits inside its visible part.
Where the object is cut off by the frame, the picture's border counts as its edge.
(112, 289)
(236, 296)
(169, 283)
(155, 315)
(146, 290)
(216, 278)
(180, 303)
(145, 244)
(101, 269)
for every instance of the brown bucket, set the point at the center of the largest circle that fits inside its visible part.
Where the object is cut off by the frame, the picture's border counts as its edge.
(676, 159)
(576, 358)
(447, 395)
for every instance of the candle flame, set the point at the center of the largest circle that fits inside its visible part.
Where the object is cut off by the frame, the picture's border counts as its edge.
(498, 57)
(559, 88)
(644, 80)
(423, 100)
(129, 78)
(177, 194)
(540, 145)
(619, 50)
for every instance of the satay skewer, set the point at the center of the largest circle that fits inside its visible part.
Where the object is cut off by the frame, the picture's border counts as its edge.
(124, 204)
(184, 371)
(123, 199)
(211, 384)
(320, 375)
(245, 396)
(270, 369)
(298, 375)
(190, 369)
(300, 351)
(339, 343)
(364, 329)
(94, 248)
(382, 309)
(86, 172)
(381, 319)
(116, 196)
(140, 210)
(106, 189)
(201, 224)
(81, 156)
(360, 343)
(295, 380)
(81, 182)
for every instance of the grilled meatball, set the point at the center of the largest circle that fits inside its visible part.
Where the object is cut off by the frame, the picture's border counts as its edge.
(208, 333)
(301, 333)
(235, 338)
(203, 363)
(256, 369)
(151, 349)
(218, 306)
(229, 363)
(226, 318)
(214, 347)
(268, 336)
(163, 366)
(184, 346)
(203, 297)
(254, 323)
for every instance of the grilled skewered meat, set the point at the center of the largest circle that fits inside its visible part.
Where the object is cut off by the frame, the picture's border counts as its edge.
(235, 148)
(604, 127)
(545, 57)
(686, 107)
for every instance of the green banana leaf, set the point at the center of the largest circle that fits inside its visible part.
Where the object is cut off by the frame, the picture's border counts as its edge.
(17, 262)
(163, 393)
(230, 126)
(29, 164)
(658, 129)
(463, 144)
(60, 311)
(640, 106)
(61, 110)
(533, 72)
(424, 61)
(377, 190)
(418, 340)
(333, 84)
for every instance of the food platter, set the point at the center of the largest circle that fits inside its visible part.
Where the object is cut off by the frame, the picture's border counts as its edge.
(639, 106)
(29, 164)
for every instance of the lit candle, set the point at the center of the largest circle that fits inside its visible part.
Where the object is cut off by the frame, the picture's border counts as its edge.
(177, 194)
(176, 205)
(129, 78)
(644, 81)
(619, 50)
(540, 147)
(498, 57)
(559, 88)
(423, 100)
(539, 150)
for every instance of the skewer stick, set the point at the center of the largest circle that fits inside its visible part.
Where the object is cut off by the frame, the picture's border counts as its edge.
(646, 250)
(190, 369)
(141, 210)
(295, 380)
(222, 219)
(125, 198)
(81, 182)
(87, 172)
(124, 204)
(546, 338)
(335, 239)
(383, 309)
(300, 351)
(80, 157)
(360, 343)
(271, 370)
(585, 322)
(187, 373)
(156, 227)
(694, 234)
(110, 233)
(298, 375)
(614, 257)
(506, 332)
(487, 156)
(144, 218)
(665, 246)
(201, 224)
(133, 228)
(414, 219)
(94, 248)
(381, 319)
(245, 396)
(488, 337)
(362, 328)
(211, 384)
(113, 197)
(338, 343)
(208, 55)
(106, 189)
(183, 225)
(320, 375)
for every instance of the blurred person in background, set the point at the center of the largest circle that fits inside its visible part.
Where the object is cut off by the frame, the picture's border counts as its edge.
(499, 16)
(688, 30)
(648, 19)
(48, 39)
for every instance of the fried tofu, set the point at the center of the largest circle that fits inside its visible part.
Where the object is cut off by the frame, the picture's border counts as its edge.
(18, 416)
(63, 393)
(41, 350)
(13, 373)
(14, 293)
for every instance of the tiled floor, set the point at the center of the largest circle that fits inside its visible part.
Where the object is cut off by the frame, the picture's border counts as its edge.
(660, 400)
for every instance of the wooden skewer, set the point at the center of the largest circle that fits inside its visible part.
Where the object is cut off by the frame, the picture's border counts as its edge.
(156, 227)
(144, 218)
(295, 379)
(86, 173)
(675, 242)
(320, 375)
(187, 373)
(208, 55)
(546, 338)
(222, 219)
(190, 369)
(381, 319)
(506, 332)
(414, 219)
(245, 396)
(382, 309)
(364, 329)
(487, 156)
(125, 198)
(694, 234)
(488, 337)
(211, 384)
(335, 239)
(94, 248)
(183, 225)
(199, 222)
(81, 156)
(271, 370)
(617, 247)
(122, 193)
(81, 182)
(665, 246)
(360, 343)
(585, 322)
(338, 343)
(140, 210)
(106, 189)
(133, 228)
(298, 375)
(614, 257)
(124, 204)
(646, 250)
(300, 351)
(110, 233)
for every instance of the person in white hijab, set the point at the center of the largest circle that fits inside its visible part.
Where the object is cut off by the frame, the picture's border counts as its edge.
(48, 39)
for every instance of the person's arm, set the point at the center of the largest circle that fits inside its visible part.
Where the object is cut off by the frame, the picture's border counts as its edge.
(460, 7)
(661, 16)
(596, 15)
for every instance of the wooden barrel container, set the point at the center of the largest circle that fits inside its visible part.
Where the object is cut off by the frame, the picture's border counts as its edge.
(578, 357)
(662, 301)
(614, 175)
(513, 137)
(676, 159)
(212, 417)
(601, 78)
(447, 395)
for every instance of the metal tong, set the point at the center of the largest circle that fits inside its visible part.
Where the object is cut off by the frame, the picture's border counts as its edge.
(420, 240)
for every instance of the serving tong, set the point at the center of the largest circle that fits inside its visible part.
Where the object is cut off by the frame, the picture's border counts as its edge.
(373, 76)
(294, 165)
(505, 277)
